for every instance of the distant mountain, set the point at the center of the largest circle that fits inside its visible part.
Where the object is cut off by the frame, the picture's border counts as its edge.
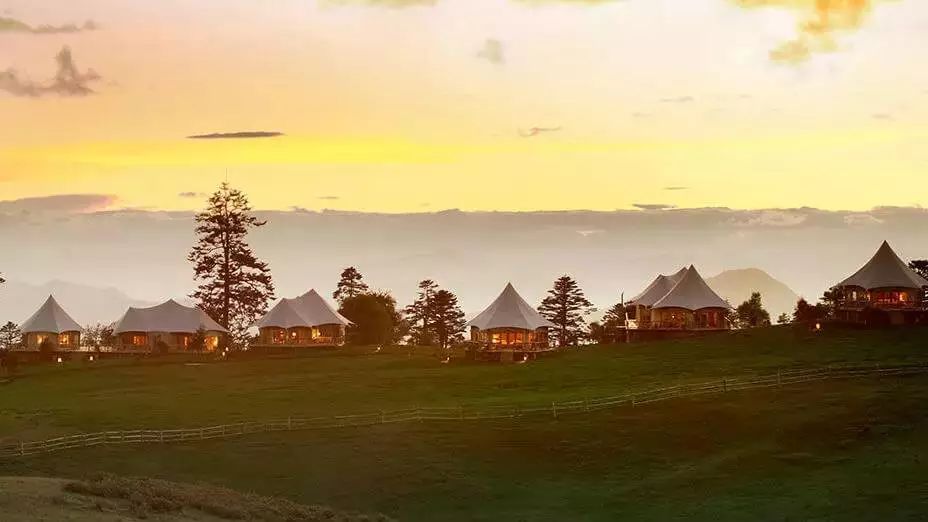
(86, 304)
(737, 285)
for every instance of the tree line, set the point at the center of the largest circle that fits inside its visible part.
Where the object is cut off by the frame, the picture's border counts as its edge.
(235, 287)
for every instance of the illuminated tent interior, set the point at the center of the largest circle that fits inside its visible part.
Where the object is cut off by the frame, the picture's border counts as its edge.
(690, 305)
(51, 323)
(170, 325)
(307, 320)
(510, 323)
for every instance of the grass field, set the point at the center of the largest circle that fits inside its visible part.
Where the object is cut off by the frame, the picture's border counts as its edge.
(833, 450)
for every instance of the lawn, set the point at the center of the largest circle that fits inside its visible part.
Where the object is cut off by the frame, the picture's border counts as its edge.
(832, 450)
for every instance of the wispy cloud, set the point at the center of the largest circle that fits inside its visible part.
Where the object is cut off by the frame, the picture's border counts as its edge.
(12, 25)
(819, 23)
(678, 99)
(329, 198)
(654, 206)
(192, 195)
(676, 188)
(398, 4)
(235, 135)
(58, 204)
(68, 80)
(493, 52)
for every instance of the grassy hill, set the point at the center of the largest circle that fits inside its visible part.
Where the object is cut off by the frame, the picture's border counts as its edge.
(837, 450)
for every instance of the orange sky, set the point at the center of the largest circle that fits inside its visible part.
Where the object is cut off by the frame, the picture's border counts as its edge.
(394, 107)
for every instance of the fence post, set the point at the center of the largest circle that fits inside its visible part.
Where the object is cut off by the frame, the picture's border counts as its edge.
(290, 423)
(161, 436)
(554, 409)
(383, 418)
(724, 385)
(633, 400)
(586, 405)
(22, 449)
(779, 378)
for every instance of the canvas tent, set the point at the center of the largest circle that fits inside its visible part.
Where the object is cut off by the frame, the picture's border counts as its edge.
(691, 305)
(510, 323)
(307, 320)
(885, 285)
(642, 303)
(51, 323)
(169, 325)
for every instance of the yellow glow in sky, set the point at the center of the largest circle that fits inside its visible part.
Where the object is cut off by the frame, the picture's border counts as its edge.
(740, 103)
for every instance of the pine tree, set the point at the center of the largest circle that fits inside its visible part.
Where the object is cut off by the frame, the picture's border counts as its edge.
(235, 286)
(419, 314)
(10, 336)
(447, 319)
(565, 306)
(351, 284)
(613, 322)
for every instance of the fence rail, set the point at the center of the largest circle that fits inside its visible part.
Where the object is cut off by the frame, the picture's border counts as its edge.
(459, 413)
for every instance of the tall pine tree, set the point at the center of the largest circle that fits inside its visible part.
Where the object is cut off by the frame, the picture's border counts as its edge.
(565, 306)
(10, 336)
(235, 286)
(419, 313)
(350, 285)
(447, 319)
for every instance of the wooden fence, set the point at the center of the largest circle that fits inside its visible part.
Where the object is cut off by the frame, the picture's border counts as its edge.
(460, 413)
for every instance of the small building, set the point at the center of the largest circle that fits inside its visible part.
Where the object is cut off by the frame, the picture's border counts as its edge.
(639, 307)
(884, 292)
(691, 306)
(304, 321)
(51, 323)
(170, 325)
(509, 329)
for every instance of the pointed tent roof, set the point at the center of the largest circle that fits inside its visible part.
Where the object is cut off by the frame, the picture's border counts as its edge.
(660, 287)
(692, 293)
(169, 316)
(885, 270)
(509, 310)
(310, 309)
(50, 318)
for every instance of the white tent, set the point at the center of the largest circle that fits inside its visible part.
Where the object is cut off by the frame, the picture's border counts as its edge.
(509, 310)
(50, 318)
(308, 310)
(169, 316)
(691, 293)
(885, 270)
(660, 287)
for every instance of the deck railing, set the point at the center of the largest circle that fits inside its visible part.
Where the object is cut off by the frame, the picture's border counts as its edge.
(553, 409)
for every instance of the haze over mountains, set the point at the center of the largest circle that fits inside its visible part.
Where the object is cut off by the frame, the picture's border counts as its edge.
(142, 253)
(736, 286)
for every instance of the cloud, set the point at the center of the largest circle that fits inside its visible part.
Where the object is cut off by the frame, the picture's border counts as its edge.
(773, 218)
(653, 206)
(676, 188)
(192, 195)
(882, 116)
(493, 52)
(819, 23)
(678, 99)
(330, 198)
(68, 80)
(11, 25)
(857, 220)
(397, 4)
(58, 204)
(236, 135)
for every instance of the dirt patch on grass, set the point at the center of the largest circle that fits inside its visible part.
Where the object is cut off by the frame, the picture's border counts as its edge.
(112, 498)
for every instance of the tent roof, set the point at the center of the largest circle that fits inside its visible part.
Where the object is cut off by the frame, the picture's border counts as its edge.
(885, 270)
(660, 287)
(692, 293)
(50, 318)
(169, 316)
(310, 309)
(509, 310)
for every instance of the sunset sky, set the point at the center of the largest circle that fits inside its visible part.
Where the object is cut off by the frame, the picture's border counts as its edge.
(407, 106)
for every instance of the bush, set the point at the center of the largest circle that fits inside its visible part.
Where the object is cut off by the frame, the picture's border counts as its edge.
(161, 347)
(9, 362)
